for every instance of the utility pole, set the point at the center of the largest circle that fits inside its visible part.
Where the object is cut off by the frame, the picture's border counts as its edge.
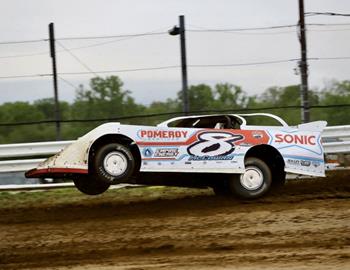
(180, 30)
(54, 73)
(305, 113)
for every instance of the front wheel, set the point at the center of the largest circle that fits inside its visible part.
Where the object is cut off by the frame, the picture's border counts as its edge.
(90, 185)
(254, 182)
(113, 163)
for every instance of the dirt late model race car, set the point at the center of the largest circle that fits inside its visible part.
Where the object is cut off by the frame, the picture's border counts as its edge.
(218, 151)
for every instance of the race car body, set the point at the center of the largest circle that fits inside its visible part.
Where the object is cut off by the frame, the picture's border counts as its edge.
(207, 144)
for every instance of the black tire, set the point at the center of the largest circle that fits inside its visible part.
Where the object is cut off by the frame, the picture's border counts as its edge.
(278, 180)
(90, 185)
(113, 163)
(244, 188)
(278, 173)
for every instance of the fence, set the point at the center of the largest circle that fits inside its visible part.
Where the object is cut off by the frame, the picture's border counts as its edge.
(25, 156)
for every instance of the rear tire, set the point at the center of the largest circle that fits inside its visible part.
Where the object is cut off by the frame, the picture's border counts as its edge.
(90, 185)
(254, 182)
(113, 163)
(278, 180)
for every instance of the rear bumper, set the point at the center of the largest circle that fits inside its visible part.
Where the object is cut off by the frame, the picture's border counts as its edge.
(54, 172)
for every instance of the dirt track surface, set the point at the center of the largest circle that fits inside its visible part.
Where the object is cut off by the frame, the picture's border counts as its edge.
(304, 226)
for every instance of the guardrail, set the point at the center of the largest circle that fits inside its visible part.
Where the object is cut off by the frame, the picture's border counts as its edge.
(336, 132)
(32, 149)
(29, 150)
(31, 187)
(336, 140)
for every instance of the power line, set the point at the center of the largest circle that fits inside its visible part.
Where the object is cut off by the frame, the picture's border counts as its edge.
(68, 82)
(77, 58)
(24, 55)
(326, 14)
(114, 36)
(100, 44)
(22, 41)
(241, 29)
(222, 30)
(120, 38)
(328, 30)
(330, 58)
(177, 66)
(126, 37)
(246, 64)
(326, 24)
(71, 49)
(152, 68)
(191, 30)
(86, 73)
(246, 31)
(204, 29)
(122, 70)
(239, 32)
(82, 38)
(25, 76)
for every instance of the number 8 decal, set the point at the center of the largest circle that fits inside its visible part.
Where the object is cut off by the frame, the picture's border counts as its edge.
(213, 144)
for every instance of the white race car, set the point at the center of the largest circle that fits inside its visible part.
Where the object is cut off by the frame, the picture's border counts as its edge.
(219, 151)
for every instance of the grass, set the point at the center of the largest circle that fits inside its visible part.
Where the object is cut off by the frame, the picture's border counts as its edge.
(64, 196)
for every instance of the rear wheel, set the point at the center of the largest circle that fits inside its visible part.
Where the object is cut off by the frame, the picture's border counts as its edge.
(90, 185)
(254, 182)
(113, 163)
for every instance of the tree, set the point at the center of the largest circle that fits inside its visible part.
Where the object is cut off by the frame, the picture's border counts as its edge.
(336, 93)
(105, 99)
(201, 97)
(283, 97)
(20, 112)
(229, 96)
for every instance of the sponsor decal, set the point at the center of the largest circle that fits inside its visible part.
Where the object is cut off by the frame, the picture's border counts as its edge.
(299, 162)
(213, 145)
(294, 162)
(305, 163)
(207, 158)
(162, 134)
(147, 152)
(316, 164)
(295, 139)
(257, 135)
(246, 144)
(166, 152)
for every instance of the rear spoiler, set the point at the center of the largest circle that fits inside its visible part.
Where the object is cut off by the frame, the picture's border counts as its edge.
(316, 126)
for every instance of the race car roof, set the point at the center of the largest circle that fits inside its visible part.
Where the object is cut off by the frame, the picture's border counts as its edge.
(239, 116)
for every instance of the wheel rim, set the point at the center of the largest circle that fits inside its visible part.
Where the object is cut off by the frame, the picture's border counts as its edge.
(115, 163)
(252, 178)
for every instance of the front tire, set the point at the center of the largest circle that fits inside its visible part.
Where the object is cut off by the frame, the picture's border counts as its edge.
(113, 163)
(254, 182)
(90, 185)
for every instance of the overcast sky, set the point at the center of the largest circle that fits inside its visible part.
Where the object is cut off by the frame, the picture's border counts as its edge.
(28, 20)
